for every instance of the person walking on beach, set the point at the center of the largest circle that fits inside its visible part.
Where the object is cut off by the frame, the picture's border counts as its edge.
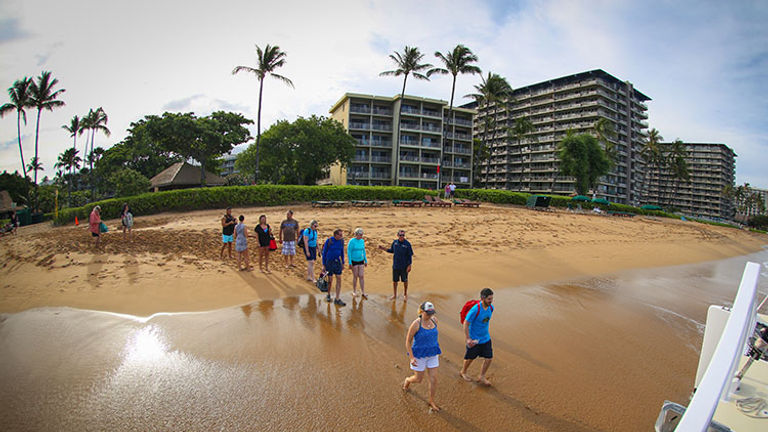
(241, 244)
(357, 262)
(333, 263)
(14, 222)
(424, 351)
(402, 260)
(477, 336)
(310, 249)
(228, 223)
(264, 233)
(126, 218)
(94, 225)
(288, 230)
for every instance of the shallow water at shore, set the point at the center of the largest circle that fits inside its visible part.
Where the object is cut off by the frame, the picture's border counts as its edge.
(599, 353)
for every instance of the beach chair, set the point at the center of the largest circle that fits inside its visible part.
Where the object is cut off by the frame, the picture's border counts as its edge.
(322, 203)
(407, 203)
(466, 203)
(339, 203)
(362, 203)
(379, 203)
(435, 201)
(538, 202)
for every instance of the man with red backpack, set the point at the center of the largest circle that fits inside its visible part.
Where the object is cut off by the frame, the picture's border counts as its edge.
(476, 317)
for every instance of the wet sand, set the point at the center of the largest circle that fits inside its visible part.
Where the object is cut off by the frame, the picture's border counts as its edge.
(593, 354)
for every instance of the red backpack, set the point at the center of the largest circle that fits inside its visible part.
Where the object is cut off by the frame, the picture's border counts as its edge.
(467, 306)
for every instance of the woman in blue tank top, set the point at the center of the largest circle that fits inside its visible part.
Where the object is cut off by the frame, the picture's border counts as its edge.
(424, 350)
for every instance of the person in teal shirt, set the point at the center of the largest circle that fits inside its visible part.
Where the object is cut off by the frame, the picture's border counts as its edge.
(310, 249)
(357, 262)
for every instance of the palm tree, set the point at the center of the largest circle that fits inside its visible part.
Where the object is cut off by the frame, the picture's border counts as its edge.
(605, 133)
(20, 99)
(492, 92)
(75, 128)
(70, 161)
(35, 165)
(522, 127)
(407, 63)
(95, 121)
(654, 157)
(269, 60)
(458, 61)
(43, 97)
(678, 166)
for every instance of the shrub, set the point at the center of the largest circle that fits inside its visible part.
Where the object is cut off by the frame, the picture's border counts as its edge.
(760, 222)
(237, 196)
(128, 182)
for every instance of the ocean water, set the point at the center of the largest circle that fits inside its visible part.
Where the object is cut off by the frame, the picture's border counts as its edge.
(599, 353)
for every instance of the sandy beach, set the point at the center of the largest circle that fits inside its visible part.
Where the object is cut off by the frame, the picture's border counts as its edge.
(590, 333)
(173, 263)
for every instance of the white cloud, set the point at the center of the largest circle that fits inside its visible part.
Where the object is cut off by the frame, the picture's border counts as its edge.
(704, 65)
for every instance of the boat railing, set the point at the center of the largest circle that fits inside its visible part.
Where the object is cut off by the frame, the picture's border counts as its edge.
(718, 382)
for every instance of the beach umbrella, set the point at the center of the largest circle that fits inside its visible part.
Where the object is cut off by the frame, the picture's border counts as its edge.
(580, 198)
(601, 201)
(650, 207)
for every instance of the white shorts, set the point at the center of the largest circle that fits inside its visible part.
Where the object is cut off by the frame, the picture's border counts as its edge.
(426, 362)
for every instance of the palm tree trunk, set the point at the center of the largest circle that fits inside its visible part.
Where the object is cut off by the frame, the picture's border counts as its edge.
(452, 126)
(396, 137)
(258, 131)
(21, 151)
(37, 135)
(202, 173)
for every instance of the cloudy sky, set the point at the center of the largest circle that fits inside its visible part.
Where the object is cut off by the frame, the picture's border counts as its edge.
(703, 63)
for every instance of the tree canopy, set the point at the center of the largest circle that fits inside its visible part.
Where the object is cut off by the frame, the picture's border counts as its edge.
(299, 152)
(582, 158)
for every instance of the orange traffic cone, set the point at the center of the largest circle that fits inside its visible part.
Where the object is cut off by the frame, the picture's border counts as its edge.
(76, 222)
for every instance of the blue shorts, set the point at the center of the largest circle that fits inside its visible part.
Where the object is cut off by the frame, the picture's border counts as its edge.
(312, 253)
(227, 238)
(334, 267)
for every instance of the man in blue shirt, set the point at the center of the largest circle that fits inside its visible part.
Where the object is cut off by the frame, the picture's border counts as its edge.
(478, 338)
(333, 263)
(401, 263)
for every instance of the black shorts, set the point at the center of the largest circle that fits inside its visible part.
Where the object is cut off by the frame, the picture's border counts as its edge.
(357, 263)
(334, 267)
(400, 274)
(93, 234)
(484, 350)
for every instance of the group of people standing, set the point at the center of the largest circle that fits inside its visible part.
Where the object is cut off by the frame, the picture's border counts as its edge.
(450, 189)
(332, 253)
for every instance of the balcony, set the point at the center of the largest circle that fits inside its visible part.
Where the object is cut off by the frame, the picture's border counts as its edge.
(357, 108)
(381, 159)
(381, 126)
(358, 125)
(382, 111)
(381, 143)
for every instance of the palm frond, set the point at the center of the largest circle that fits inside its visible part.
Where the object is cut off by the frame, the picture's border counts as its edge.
(283, 79)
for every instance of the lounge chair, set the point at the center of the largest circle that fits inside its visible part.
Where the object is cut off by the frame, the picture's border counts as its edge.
(466, 203)
(361, 203)
(407, 203)
(538, 202)
(322, 203)
(435, 201)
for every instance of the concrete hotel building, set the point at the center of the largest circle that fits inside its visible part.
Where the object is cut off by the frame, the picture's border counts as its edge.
(412, 160)
(711, 167)
(573, 102)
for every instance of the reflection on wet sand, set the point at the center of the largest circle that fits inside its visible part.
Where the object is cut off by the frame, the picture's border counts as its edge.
(598, 354)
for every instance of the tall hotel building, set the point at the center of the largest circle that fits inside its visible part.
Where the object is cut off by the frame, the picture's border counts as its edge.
(413, 160)
(575, 102)
(711, 168)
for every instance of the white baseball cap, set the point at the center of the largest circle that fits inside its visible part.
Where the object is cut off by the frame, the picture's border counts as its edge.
(428, 307)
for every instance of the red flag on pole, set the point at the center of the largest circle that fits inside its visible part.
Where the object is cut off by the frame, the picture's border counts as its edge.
(438, 169)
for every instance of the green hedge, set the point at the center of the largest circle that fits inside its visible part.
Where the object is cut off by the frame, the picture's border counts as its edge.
(236, 196)
(521, 198)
